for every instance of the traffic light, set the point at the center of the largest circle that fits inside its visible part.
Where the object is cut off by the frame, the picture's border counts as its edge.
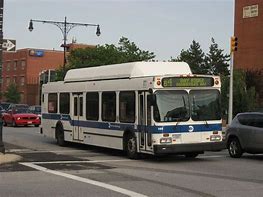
(233, 44)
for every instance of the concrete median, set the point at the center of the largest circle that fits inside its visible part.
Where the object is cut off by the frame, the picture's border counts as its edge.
(9, 158)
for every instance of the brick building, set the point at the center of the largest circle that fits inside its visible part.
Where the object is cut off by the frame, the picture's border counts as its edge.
(23, 67)
(249, 31)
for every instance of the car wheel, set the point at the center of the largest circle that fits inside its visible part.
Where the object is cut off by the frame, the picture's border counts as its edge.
(14, 123)
(234, 148)
(4, 123)
(191, 155)
(36, 125)
(132, 147)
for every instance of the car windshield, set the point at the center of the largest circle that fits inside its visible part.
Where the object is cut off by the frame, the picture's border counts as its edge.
(38, 110)
(205, 105)
(21, 110)
(171, 106)
(5, 105)
(178, 105)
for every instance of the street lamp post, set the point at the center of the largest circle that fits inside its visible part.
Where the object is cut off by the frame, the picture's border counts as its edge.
(65, 27)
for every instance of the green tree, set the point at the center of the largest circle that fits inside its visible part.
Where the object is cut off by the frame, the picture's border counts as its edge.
(217, 62)
(195, 57)
(127, 51)
(12, 95)
(244, 97)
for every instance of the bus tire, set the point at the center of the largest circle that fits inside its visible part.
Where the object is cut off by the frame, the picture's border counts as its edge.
(60, 136)
(132, 147)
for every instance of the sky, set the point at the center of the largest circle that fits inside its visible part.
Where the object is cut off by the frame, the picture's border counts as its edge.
(164, 27)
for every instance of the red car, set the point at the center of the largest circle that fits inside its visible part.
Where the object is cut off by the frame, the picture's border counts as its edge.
(20, 116)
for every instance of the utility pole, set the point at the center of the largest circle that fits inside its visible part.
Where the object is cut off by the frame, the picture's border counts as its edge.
(2, 146)
(233, 48)
(65, 27)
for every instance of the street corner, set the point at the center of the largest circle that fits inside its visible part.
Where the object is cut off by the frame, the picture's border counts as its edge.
(9, 158)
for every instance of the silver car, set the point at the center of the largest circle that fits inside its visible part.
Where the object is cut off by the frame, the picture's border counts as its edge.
(245, 134)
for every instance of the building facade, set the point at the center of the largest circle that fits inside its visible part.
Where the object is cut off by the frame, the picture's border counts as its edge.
(248, 28)
(23, 67)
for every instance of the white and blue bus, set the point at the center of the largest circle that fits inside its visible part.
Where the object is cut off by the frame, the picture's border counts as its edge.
(138, 107)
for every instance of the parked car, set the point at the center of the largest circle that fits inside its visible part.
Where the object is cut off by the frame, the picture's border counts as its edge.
(5, 105)
(1, 110)
(20, 116)
(35, 109)
(245, 134)
(12, 106)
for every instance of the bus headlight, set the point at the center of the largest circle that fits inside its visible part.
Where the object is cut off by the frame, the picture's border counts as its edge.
(166, 140)
(215, 138)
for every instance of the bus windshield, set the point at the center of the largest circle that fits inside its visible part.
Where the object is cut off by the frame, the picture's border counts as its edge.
(178, 105)
(205, 105)
(171, 106)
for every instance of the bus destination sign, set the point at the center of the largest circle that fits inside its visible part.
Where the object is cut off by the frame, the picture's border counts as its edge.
(188, 82)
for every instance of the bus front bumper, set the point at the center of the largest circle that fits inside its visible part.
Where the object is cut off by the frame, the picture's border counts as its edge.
(186, 148)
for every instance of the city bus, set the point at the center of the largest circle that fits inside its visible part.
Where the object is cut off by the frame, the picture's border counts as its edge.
(140, 107)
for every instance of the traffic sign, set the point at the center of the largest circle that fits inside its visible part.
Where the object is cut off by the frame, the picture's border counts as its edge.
(9, 45)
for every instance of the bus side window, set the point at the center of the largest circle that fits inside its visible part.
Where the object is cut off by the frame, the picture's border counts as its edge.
(92, 106)
(52, 103)
(64, 103)
(127, 107)
(109, 106)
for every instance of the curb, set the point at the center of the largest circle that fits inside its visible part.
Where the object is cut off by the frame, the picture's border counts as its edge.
(9, 158)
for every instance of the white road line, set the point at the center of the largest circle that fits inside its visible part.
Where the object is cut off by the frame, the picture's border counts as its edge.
(43, 151)
(85, 180)
(95, 161)
(212, 156)
(19, 150)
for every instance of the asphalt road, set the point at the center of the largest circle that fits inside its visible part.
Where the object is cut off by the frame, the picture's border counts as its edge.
(79, 170)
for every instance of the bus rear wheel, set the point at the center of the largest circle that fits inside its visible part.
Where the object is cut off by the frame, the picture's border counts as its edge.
(132, 147)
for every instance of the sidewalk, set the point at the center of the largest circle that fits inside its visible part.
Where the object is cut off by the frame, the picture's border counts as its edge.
(8, 158)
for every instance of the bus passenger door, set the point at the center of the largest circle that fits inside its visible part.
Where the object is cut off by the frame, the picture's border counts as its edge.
(145, 138)
(77, 116)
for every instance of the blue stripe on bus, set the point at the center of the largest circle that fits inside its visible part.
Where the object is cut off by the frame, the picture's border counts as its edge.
(122, 126)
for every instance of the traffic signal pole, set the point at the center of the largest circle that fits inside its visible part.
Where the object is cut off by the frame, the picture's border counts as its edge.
(233, 48)
(230, 105)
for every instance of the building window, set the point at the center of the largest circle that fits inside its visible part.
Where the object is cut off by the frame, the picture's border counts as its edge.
(14, 80)
(23, 64)
(92, 106)
(22, 97)
(7, 81)
(15, 65)
(22, 81)
(64, 103)
(52, 103)
(127, 107)
(8, 66)
(109, 106)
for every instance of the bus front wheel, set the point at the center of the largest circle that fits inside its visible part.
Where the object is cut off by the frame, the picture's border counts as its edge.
(132, 147)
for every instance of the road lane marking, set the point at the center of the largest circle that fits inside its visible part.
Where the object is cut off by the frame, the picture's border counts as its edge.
(212, 156)
(81, 161)
(85, 180)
